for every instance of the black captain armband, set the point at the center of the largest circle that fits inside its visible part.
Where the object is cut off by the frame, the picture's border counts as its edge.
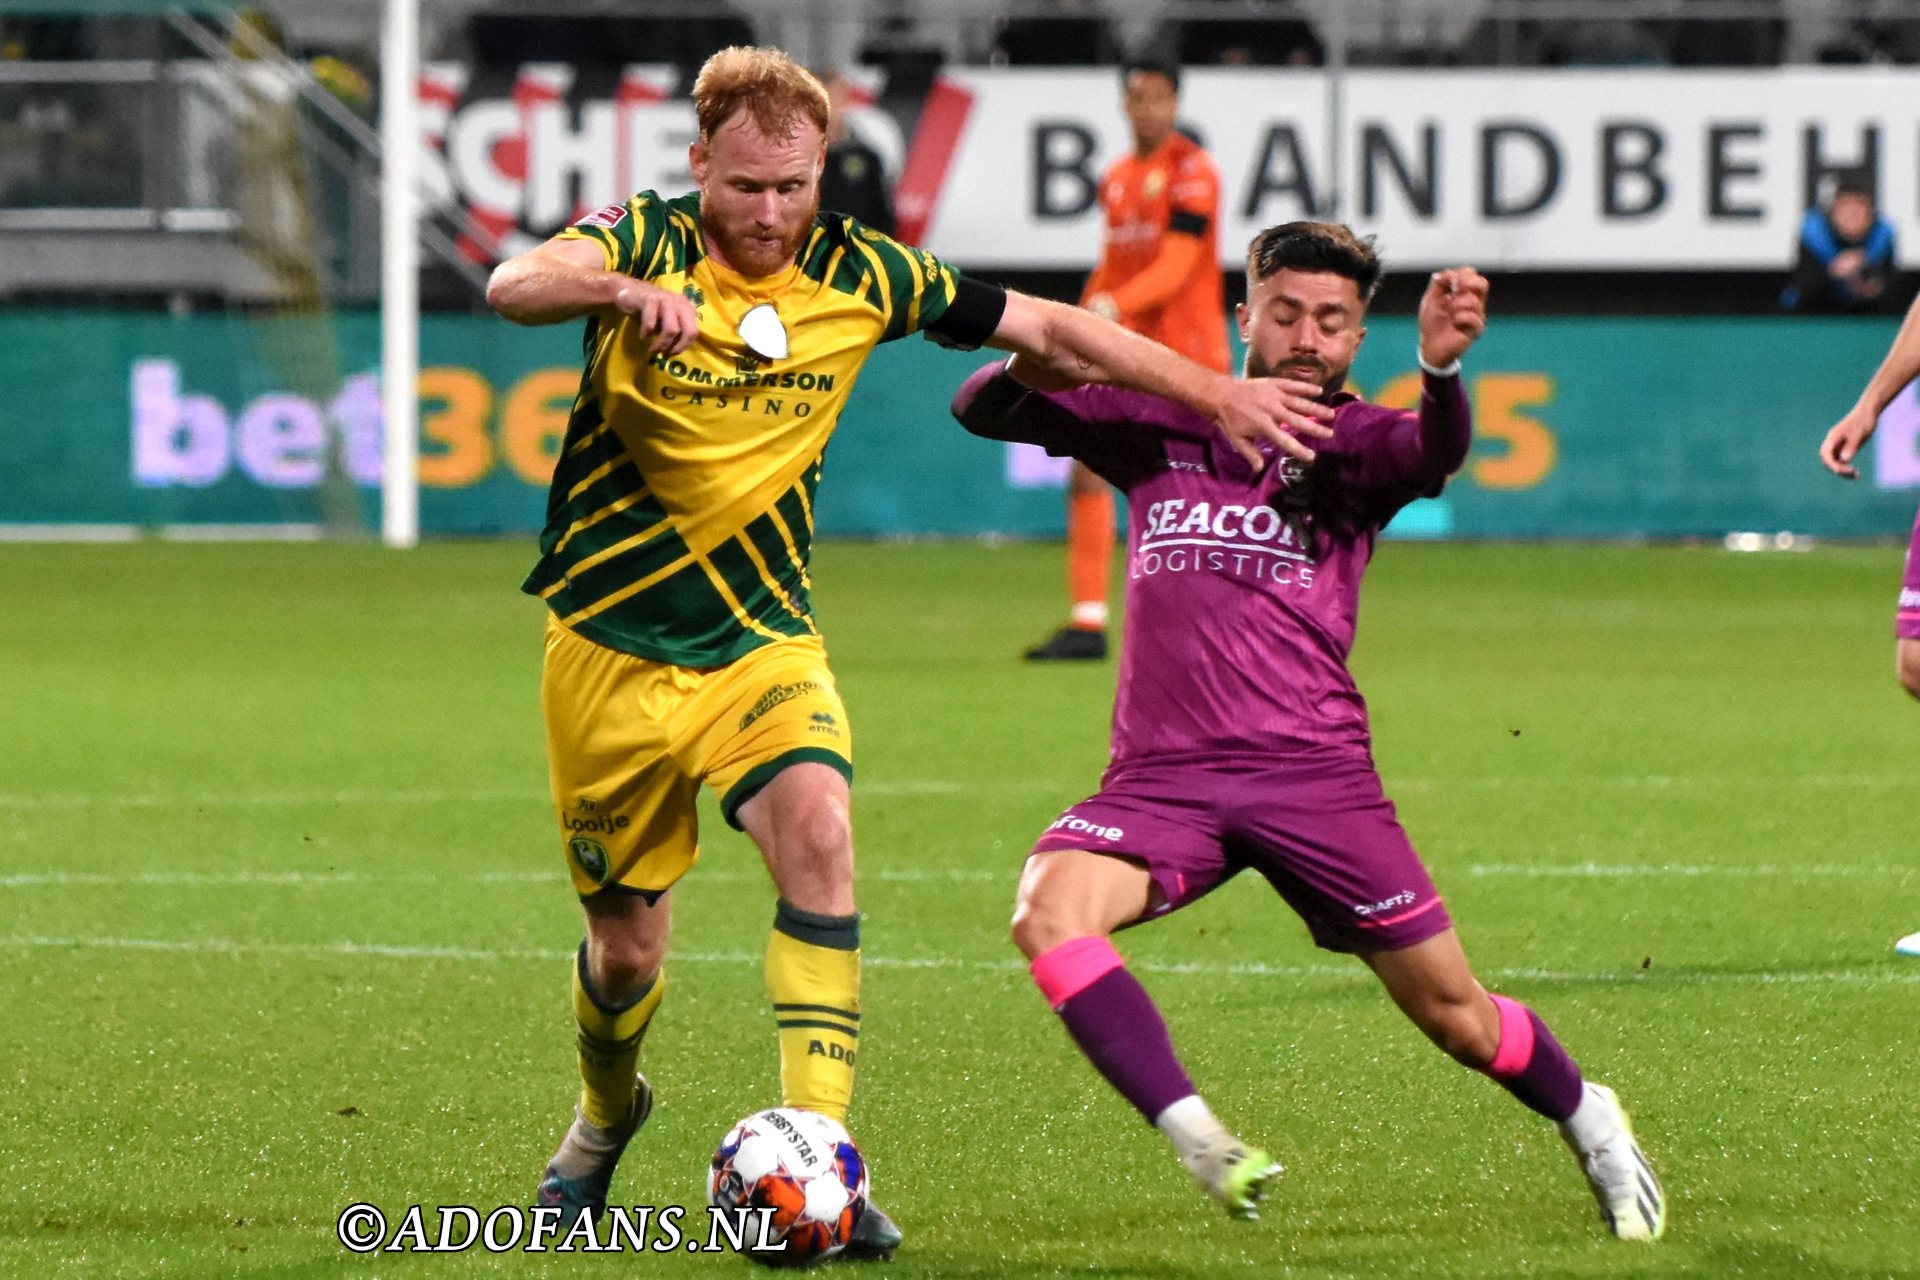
(971, 317)
(1188, 223)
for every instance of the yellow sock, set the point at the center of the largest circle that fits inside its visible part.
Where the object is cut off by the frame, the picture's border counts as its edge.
(813, 977)
(609, 1044)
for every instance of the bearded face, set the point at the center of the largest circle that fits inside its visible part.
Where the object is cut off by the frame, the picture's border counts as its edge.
(758, 193)
(1303, 324)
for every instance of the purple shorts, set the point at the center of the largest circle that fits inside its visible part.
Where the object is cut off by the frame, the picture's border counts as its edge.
(1906, 620)
(1319, 829)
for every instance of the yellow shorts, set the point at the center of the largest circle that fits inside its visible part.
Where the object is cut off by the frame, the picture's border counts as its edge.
(629, 742)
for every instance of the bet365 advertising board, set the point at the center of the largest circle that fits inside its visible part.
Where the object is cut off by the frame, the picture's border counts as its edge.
(1589, 428)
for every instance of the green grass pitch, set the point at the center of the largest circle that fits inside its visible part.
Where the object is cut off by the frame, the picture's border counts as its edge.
(284, 925)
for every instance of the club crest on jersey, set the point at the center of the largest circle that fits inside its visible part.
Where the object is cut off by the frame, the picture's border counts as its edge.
(608, 218)
(592, 857)
(1156, 183)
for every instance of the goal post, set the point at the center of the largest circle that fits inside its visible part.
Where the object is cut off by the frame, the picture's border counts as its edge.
(400, 273)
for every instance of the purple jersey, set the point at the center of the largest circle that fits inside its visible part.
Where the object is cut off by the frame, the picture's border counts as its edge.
(1242, 591)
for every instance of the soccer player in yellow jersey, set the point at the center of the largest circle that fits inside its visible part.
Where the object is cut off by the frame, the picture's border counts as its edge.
(724, 330)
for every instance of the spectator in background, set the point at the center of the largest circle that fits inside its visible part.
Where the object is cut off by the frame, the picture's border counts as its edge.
(1268, 41)
(1602, 42)
(1846, 254)
(855, 181)
(1159, 275)
(1753, 41)
(1064, 33)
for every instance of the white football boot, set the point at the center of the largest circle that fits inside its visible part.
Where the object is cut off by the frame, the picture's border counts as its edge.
(1234, 1174)
(1601, 1138)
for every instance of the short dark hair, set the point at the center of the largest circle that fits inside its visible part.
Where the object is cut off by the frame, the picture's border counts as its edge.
(1151, 66)
(1316, 246)
(1853, 182)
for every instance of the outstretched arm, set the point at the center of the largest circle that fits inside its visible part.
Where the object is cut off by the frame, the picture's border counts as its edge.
(1061, 345)
(1901, 366)
(994, 404)
(565, 279)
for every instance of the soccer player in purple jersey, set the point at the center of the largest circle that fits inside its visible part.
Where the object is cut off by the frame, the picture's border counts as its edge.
(1843, 441)
(1239, 738)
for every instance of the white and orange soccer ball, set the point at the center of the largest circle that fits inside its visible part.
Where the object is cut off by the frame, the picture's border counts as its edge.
(803, 1167)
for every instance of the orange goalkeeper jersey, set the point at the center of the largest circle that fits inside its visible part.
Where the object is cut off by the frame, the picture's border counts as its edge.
(1161, 258)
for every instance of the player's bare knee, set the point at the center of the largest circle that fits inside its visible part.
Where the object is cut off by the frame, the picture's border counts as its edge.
(1460, 1027)
(626, 942)
(829, 834)
(1040, 925)
(811, 860)
(619, 980)
(1029, 931)
(818, 847)
(1906, 666)
(621, 966)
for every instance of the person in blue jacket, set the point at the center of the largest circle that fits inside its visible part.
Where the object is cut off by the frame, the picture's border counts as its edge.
(1846, 259)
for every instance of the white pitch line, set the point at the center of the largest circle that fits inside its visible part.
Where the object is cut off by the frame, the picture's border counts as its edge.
(1667, 870)
(1656, 782)
(1352, 972)
(891, 788)
(262, 799)
(912, 788)
(1007, 875)
(199, 880)
(329, 879)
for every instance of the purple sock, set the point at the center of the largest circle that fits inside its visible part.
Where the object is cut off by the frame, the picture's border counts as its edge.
(1114, 1021)
(1531, 1065)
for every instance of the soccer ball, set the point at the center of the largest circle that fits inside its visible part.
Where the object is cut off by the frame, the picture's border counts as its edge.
(805, 1168)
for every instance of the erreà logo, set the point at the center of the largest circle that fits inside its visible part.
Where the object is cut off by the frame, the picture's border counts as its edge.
(592, 857)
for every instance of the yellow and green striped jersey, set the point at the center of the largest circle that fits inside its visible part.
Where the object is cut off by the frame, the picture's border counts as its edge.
(680, 519)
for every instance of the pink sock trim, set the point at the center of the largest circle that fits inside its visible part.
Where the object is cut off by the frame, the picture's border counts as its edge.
(1516, 1040)
(1070, 968)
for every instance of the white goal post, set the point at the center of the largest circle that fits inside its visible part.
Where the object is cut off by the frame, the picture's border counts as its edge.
(400, 273)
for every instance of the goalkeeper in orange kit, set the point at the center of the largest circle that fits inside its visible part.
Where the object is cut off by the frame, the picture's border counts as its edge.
(1159, 275)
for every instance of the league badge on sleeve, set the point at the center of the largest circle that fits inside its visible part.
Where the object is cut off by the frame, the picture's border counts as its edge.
(608, 218)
